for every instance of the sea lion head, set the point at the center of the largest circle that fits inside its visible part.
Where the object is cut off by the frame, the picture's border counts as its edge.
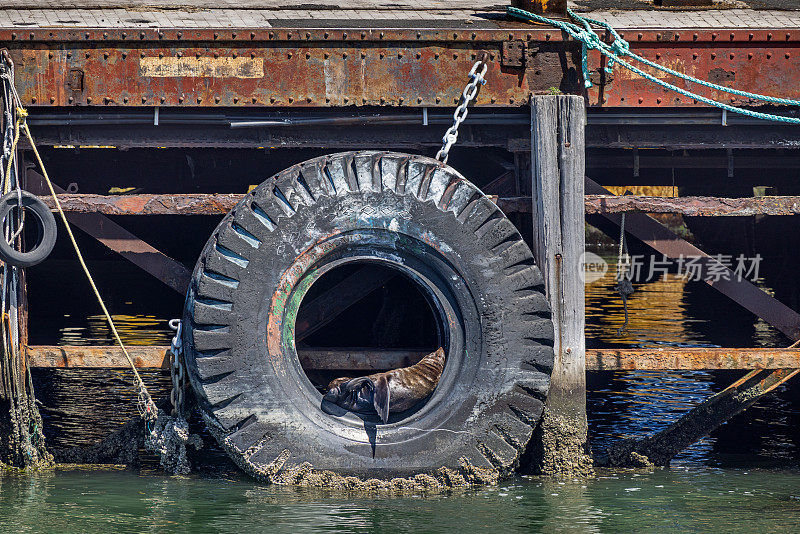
(360, 395)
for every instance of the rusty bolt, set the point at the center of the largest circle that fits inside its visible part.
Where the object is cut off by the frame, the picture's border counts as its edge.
(732, 56)
(52, 99)
(254, 99)
(547, 37)
(641, 100)
(327, 99)
(69, 54)
(144, 99)
(160, 35)
(13, 36)
(788, 55)
(308, 56)
(455, 35)
(234, 55)
(788, 36)
(325, 35)
(271, 35)
(179, 54)
(438, 99)
(381, 35)
(291, 99)
(125, 99)
(363, 35)
(197, 55)
(713, 36)
(180, 35)
(272, 100)
(346, 100)
(455, 56)
(163, 99)
(199, 99)
(289, 35)
(216, 35)
(327, 55)
(455, 100)
(658, 100)
(494, 99)
(141, 35)
(750, 55)
(344, 55)
(769, 37)
(400, 100)
(695, 37)
(658, 56)
(124, 55)
(180, 99)
(288, 55)
(141, 54)
(399, 55)
(639, 36)
(124, 35)
(694, 56)
(86, 35)
(252, 35)
(344, 35)
(419, 55)
(33, 100)
(419, 35)
(88, 100)
(50, 55)
(87, 55)
(713, 56)
(363, 55)
(308, 35)
(216, 99)
(383, 100)
(216, 54)
(161, 54)
(750, 36)
(105, 55)
(71, 99)
(252, 55)
(769, 55)
(233, 35)
(419, 100)
(308, 99)
(732, 37)
(677, 37)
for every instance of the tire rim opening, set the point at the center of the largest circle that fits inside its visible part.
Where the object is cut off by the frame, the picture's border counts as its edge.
(390, 324)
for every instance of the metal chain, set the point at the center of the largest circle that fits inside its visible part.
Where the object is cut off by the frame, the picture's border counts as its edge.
(476, 76)
(176, 369)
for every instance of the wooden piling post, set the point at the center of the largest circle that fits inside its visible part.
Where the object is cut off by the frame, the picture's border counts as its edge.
(557, 164)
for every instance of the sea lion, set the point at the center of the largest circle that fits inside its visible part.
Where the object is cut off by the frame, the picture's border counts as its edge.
(393, 391)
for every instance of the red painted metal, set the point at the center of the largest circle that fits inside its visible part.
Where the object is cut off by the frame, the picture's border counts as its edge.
(300, 67)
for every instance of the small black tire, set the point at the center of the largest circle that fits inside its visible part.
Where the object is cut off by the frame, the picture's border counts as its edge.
(46, 229)
(407, 212)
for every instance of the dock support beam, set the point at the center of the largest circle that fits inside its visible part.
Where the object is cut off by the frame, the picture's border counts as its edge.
(558, 164)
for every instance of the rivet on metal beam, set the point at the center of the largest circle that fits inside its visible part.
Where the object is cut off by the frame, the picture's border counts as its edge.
(125, 99)
(180, 35)
(86, 35)
(254, 100)
(363, 35)
(124, 35)
(88, 100)
(271, 35)
(141, 35)
(344, 35)
(216, 99)
(769, 37)
(695, 37)
(252, 35)
(233, 35)
(33, 100)
(658, 100)
(216, 35)
(289, 35)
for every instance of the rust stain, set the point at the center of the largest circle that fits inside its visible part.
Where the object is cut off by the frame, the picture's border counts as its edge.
(201, 67)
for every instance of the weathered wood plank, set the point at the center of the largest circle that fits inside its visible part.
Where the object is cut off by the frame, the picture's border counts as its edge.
(360, 359)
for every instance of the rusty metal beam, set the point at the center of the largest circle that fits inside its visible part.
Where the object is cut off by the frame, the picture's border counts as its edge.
(360, 359)
(741, 291)
(694, 206)
(121, 241)
(305, 67)
(220, 204)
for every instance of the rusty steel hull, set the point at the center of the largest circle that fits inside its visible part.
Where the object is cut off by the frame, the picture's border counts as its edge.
(301, 67)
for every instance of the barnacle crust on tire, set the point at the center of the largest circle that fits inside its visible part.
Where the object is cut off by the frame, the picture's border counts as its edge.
(403, 211)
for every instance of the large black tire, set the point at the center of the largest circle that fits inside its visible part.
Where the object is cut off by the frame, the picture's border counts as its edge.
(407, 212)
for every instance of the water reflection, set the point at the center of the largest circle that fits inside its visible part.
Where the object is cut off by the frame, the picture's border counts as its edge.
(690, 500)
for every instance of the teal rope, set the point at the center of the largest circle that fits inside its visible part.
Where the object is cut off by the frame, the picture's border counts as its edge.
(620, 48)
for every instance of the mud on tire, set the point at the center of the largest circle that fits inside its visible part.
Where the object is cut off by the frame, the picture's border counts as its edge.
(402, 211)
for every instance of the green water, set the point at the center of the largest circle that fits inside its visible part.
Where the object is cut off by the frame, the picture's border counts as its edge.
(680, 499)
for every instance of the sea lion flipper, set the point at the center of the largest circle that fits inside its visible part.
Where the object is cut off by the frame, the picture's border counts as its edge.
(380, 397)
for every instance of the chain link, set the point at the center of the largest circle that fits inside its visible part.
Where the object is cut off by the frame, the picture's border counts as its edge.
(176, 369)
(476, 76)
